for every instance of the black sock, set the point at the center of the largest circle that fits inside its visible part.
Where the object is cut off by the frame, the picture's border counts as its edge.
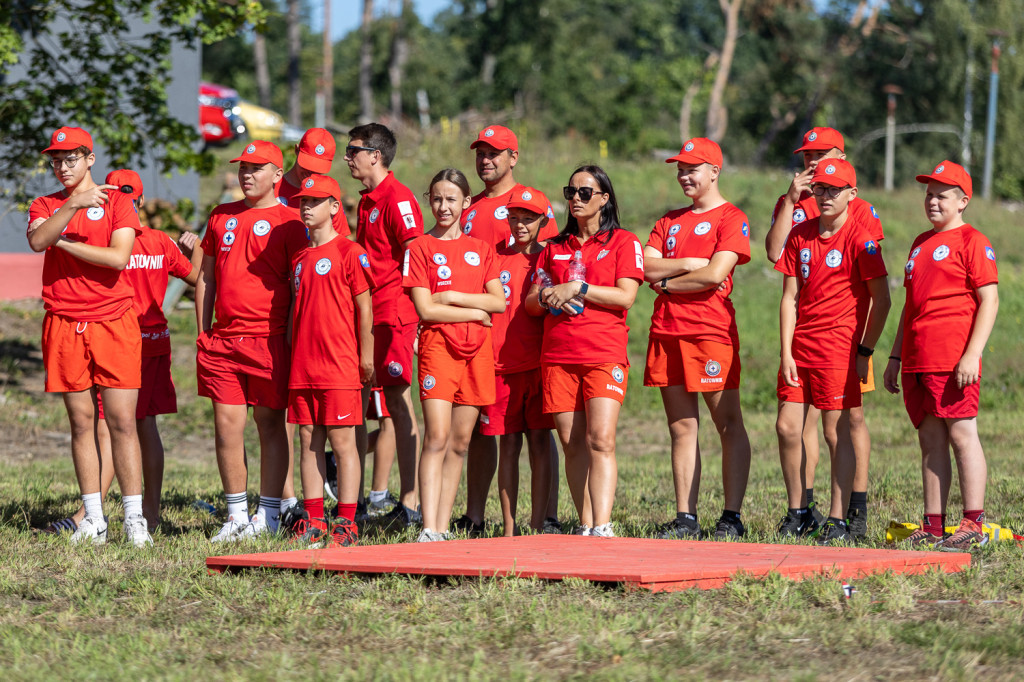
(810, 496)
(804, 511)
(732, 517)
(859, 501)
(686, 517)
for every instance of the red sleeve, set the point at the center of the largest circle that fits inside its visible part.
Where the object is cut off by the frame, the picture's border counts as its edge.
(415, 274)
(358, 268)
(778, 207)
(491, 268)
(873, 222)
(629, 261)
(209, 242)
(656, 240)
(125, 214)
(176, 263)
(787, 261)
(868, 258)
(38, 209)
(734, 234)
(981, 261)
(404, 218)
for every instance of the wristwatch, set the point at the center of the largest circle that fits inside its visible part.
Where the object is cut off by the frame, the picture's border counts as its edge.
(663, 285)
(583, 289)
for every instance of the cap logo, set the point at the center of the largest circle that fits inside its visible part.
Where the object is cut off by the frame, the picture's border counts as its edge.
(830, 169)
(309, 183)
(489, 133)
(941, 167)
(319, 149)
(812, 137)
(527, 196)
(250, 149)
(60, 137)
(688, 147)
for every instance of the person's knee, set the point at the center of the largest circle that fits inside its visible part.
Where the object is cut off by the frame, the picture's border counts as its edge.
(682, 429)
(788, 430)
(601, 441)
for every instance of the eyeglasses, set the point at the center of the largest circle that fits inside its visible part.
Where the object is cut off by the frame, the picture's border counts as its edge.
(586, 193)
(833, 192)
(67, 161)
(351, 150)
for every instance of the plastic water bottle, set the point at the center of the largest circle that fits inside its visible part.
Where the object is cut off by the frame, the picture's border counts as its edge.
(577, 273)
(544, 280)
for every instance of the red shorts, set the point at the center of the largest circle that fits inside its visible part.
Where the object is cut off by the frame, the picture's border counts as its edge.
(567, 388)
(518, 405)
(377, 406)
(700, 366)
(80, 355)
(325, 406)
(157, 395)
(936, 393)
(459, 381)
(244, 370)
(392, 353)
(826, 389)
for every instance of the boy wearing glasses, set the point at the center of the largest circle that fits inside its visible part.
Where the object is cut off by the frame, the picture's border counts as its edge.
(91, 339)
(389, 218)
(794, 207)
(693, 350)
(834, 303)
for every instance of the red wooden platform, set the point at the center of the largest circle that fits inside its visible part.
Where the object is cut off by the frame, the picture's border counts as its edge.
(656, 565)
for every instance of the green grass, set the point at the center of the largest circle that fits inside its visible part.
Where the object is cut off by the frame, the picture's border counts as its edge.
(112, 612)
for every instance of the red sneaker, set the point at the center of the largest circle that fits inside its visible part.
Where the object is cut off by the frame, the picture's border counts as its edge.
(968, 536)
(309, 532)
(345, 534)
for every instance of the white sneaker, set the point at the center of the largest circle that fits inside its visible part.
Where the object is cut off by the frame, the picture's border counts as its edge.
(90, 531)
(430, 536)
(136, 531)
(229, 531)
(257, 526)
(602, 531)
(582, 530)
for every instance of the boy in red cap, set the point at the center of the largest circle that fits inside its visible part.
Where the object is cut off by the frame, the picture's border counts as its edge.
(834, 303)
(242, 301)
(793, 208)
(497, 153)
(91, 339)
(951, 305)
(516, 337)
(389, 220)
(693, 350)
(332, 358)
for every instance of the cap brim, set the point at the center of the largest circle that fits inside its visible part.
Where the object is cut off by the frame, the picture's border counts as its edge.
(686, 158)
(317, 164)
(316, 194)
(61, 147)
(528, 207)
(812, 147)
(830, 180)
(252, 158)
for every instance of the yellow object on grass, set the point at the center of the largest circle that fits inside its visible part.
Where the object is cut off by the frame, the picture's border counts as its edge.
(897, 532)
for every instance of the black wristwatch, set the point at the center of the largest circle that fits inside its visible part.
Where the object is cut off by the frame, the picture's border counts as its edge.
(864, 351)
(583, 289)
(663, 285)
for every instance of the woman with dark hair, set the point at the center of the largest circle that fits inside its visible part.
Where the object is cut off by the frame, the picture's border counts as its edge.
(591, 273)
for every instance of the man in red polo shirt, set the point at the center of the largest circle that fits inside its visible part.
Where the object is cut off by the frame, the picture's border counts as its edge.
(793, 208)
(389, 218)
(497, 153)
(242, 301)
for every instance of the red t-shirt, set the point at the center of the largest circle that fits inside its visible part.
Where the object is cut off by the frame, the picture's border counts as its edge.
(253, 248)
(325, 324)
(599, 334)
(154, 257)
(807, 208)
(465, 264)
(77, 289)
(833, 299)
(285, 193)
(517, 336)
(487, 219)
(389, 216)
(704, 315)
(942, 276)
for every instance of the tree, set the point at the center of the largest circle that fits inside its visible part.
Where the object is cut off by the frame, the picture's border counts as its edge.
(294, 48)
(117, 90)
(366, 65)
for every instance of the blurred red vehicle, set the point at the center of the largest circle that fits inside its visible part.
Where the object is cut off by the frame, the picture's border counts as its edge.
(218, 120)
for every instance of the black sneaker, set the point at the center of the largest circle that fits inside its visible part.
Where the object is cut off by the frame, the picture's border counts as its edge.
(834, 531)
(552, 526)
(679, 529)
(400, 517)
(792, 525)
(464, 524)
(726, 528)
(817, 519)
(857, 523)
(290, 518)
(331, 476)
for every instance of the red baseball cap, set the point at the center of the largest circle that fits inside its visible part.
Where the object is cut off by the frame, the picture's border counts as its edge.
(316, 150)
(835, 172)
(821, 140)
(67, 138)
(126, 178)
(498, 137)
(950, 173)
(260, 151)
(698, 150)
(531, 199)
(319, 186)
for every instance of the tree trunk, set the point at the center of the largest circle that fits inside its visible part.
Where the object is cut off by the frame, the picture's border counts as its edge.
(327, 77)
(259, 58)
(718, 115)
(366, 66)
(492, 33)
(399, 55)
(294, 47)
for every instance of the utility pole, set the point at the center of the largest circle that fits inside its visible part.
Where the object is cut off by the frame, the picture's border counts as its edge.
(990, 130)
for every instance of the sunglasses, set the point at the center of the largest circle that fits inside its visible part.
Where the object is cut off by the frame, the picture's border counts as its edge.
(833, 192)
(586, 193)
(351, 150)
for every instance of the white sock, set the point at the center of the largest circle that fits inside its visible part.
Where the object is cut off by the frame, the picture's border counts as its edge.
(270, 507)
(378, 495)
(288, 502)
(93, 504)
(132, 505)
(238, 506)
